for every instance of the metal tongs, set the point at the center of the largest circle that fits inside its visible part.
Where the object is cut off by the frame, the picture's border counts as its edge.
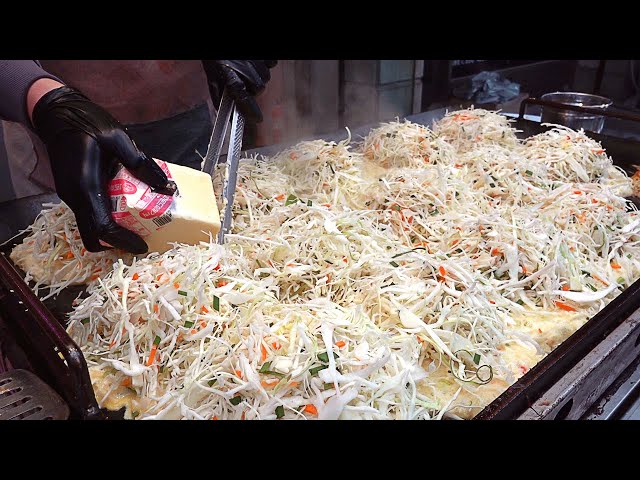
(227, 105)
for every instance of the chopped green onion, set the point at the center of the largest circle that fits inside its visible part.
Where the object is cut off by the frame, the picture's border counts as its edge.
(182, 292)
(309, 203)
(266, 366)
(84, 321)
(279, 411)
(592, 287)
(156, 341)
(314, 371)
(135, 414)
(476, 359)
(620, 280)
(291, 199)
(211, 383)
(394, 264)
(529, 172)
(235, 400)
(520, 302)
(188, 324)
(324, 356)
(216, 303)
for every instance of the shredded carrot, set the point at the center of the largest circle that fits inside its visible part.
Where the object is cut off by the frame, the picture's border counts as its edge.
(455, 242)
(290, 265)
(243, 416)
(126, 382)
(565, 288)
(328, 277)
(539, 330)
(609, 207)
(615, 265)
(156, 308)
(328, 205)
(606, 284)
(239, 373)
(264, 352)
(280, 197)
(458, 165)
(267, 384)
(577, 192)
(193, 331)
(204, 309)
(593, 200)
(442, 271)
(311, 409)
(294, 384)
(215, 417)
(495, 252)
(203, 324)
(180, 336)
(152, 355)
(276, 345)
(565, 306)
(69, 255)
(492, 302)
(176, 285)
(135, 276)
(340, 344)
(293, 156)
(524, 269)
(95, 276)
(344, 259)
(217, 267)
(420, 339)
(221, 283)
(598, 151)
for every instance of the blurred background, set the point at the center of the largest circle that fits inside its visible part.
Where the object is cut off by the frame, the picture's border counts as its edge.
(308, 98)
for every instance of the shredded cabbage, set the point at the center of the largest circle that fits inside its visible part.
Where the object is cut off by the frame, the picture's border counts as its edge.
(414, 276)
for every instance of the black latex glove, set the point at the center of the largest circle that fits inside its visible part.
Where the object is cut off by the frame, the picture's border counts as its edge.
(86, 146)
(244, 79)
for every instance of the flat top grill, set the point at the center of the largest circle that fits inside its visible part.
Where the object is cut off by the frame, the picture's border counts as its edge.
(57, 360)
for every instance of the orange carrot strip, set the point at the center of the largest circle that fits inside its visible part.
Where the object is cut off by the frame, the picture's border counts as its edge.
(135, 276)
(442, 271)
(565, 306)
(264, 352)
(340, 344)
(311, 409)
(152, 355)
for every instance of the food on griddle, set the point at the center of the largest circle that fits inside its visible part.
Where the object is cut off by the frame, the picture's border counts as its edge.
(467, 129)
(360, 286)
(53, 256)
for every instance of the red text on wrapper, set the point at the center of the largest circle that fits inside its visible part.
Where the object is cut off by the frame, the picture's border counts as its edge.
(136, 207)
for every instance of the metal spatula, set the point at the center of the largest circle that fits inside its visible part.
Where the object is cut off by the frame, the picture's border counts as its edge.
(23, 396)
(227, 106)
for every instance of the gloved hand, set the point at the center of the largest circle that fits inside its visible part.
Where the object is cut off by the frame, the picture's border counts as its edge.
(244, 80)
(86, 145)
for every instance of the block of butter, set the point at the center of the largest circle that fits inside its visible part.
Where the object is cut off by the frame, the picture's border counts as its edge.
(189, 216)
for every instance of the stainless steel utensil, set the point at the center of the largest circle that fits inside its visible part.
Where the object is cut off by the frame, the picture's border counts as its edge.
(212, 157)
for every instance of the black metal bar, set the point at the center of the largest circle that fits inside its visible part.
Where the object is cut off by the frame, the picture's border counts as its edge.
(44, 340)
(562, 106)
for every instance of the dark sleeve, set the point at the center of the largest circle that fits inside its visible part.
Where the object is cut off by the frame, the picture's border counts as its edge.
(16, 76)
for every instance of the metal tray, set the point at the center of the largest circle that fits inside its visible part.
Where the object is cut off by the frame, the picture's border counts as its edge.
(38, 328)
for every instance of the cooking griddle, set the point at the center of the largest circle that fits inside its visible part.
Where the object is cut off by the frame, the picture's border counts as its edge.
(48, 351)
